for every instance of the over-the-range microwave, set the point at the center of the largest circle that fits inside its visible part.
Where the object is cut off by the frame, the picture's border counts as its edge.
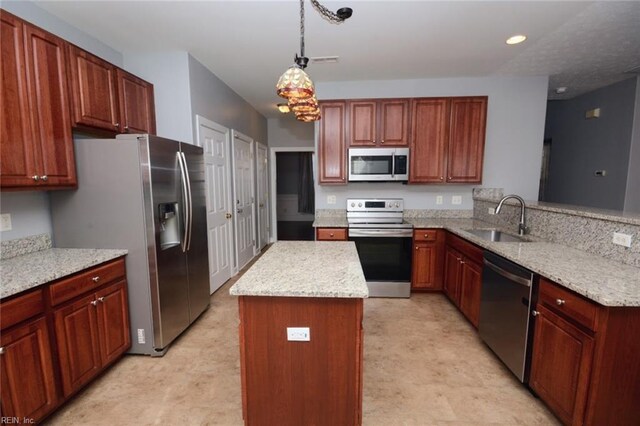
(378, 164)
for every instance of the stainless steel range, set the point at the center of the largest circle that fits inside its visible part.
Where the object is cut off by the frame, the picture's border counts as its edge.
(384, 244)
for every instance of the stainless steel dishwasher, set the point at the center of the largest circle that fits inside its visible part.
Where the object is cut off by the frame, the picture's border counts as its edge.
(504, 312)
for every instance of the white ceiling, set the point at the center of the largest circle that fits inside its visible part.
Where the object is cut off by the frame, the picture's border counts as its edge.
(248, 44)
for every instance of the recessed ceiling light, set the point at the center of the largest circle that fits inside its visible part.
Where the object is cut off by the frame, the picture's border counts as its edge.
(283, 108)
(516, 39)
(560, 90)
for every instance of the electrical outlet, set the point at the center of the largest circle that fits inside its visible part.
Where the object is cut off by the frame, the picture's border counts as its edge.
(331, 199)
(5, 222)
(141, 337)
(439, 200)
(622, 239)
(298, 334)
(456, 199)
(491, 210)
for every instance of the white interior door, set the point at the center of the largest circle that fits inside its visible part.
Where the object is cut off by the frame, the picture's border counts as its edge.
(262, 195)
(215, 141)
(243, 199)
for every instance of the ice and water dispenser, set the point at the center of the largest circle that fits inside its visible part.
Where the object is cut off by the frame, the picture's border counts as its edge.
(169, 225)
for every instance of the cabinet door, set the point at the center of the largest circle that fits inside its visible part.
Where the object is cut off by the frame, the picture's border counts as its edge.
(17, 145)
(332, 143)
(78, 348)
(429, 120)
(135, 97)
(451, 284)
(362, 123)
(470, 287)
(28, 381)
(426, 274)
(561, 366)
(48, 96)
(393, 123)
(466, 140)
(113, 321)
(93, 88)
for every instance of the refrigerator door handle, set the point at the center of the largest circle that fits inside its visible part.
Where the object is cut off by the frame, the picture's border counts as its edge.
(186, 168)
(185, 206)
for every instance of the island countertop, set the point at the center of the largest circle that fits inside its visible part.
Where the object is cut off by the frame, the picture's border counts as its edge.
(305, 269)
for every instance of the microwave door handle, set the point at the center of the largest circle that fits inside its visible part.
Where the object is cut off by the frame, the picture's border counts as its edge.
(393, 164)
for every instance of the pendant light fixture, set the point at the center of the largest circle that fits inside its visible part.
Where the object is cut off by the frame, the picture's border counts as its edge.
(295, 85)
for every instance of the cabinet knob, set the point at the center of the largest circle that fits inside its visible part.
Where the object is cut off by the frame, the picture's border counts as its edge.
(374, 141)
(95, 279)
(559, 302)
(35, 178)
(101, 299)
(417, 248)
(126, 128)
(331, 235)
(44, 178)
(535, 313)
(382, 141)
(117, 125)
(441, 177)
(1, 350)
(426, 235)
(449, 178)
(462, 262)
(94, 303)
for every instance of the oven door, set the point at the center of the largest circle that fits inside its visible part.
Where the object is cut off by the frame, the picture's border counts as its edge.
(385, 256)
(378, 164)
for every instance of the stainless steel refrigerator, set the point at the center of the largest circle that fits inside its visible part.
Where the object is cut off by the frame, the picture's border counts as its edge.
(145, 194)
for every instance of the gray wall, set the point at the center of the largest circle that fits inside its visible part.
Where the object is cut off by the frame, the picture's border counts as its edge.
(286, 131)
(513, 149)
(632, 197)
(30, 211)
(214, 100)
(169, 74)
(288, 172)
(581, 146)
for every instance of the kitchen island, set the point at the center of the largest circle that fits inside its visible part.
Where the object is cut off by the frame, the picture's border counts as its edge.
(311, 374)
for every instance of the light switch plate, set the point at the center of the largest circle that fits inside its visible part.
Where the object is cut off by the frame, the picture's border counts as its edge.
(5, 222)
(298, 334)
(456, 199)
(331, 199)
(439, 199)
(491, 210)
(622, 239)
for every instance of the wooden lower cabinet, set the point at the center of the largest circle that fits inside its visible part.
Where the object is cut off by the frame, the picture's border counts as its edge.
(463, 276)
(427, 262)
(26, 368)
(91, 333)
(561, 364)
(316, 382)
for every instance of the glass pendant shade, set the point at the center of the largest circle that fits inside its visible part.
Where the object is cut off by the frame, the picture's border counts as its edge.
(299, 106)
(295, 83)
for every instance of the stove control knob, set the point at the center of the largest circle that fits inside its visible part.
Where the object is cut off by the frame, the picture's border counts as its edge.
(353, 204)
(397, 204)
(359, 204)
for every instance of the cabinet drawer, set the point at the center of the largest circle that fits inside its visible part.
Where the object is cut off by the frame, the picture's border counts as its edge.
(425, 235)
(571, 305)
(85, 281)
(21, 308)
(337, 234)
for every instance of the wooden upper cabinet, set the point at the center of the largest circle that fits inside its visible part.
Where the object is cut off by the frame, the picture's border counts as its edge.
(26, 371)
(466, 139)
(93, 89)
(379, 122)
(135, 97)
(429, 135)
(36, 145)
(17, 144)
(362, 123)
(332, 143)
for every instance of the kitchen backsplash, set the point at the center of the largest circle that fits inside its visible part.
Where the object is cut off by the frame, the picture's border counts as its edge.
(587, 230)
(21, 246)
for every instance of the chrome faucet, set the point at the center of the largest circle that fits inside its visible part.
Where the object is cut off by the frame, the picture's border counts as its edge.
(522, 226)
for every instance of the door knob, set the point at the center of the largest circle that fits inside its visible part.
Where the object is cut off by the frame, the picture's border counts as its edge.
(239, 211)
(228, 215)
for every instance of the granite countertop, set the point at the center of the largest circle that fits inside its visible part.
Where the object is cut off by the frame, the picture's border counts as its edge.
(25, 272)
(305, 269)
(601, 280)
(331, 222)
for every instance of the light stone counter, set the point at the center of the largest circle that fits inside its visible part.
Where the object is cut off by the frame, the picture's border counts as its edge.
(602, 280)
(25, 272)
(330, 222)
(305, 269)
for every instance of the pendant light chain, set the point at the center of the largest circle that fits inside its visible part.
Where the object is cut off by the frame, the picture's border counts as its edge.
(326, 13)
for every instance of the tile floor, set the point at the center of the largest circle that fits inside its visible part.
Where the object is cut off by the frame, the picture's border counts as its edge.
(423, 365)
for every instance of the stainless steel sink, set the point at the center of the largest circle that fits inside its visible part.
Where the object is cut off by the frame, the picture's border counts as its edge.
(496, 236)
